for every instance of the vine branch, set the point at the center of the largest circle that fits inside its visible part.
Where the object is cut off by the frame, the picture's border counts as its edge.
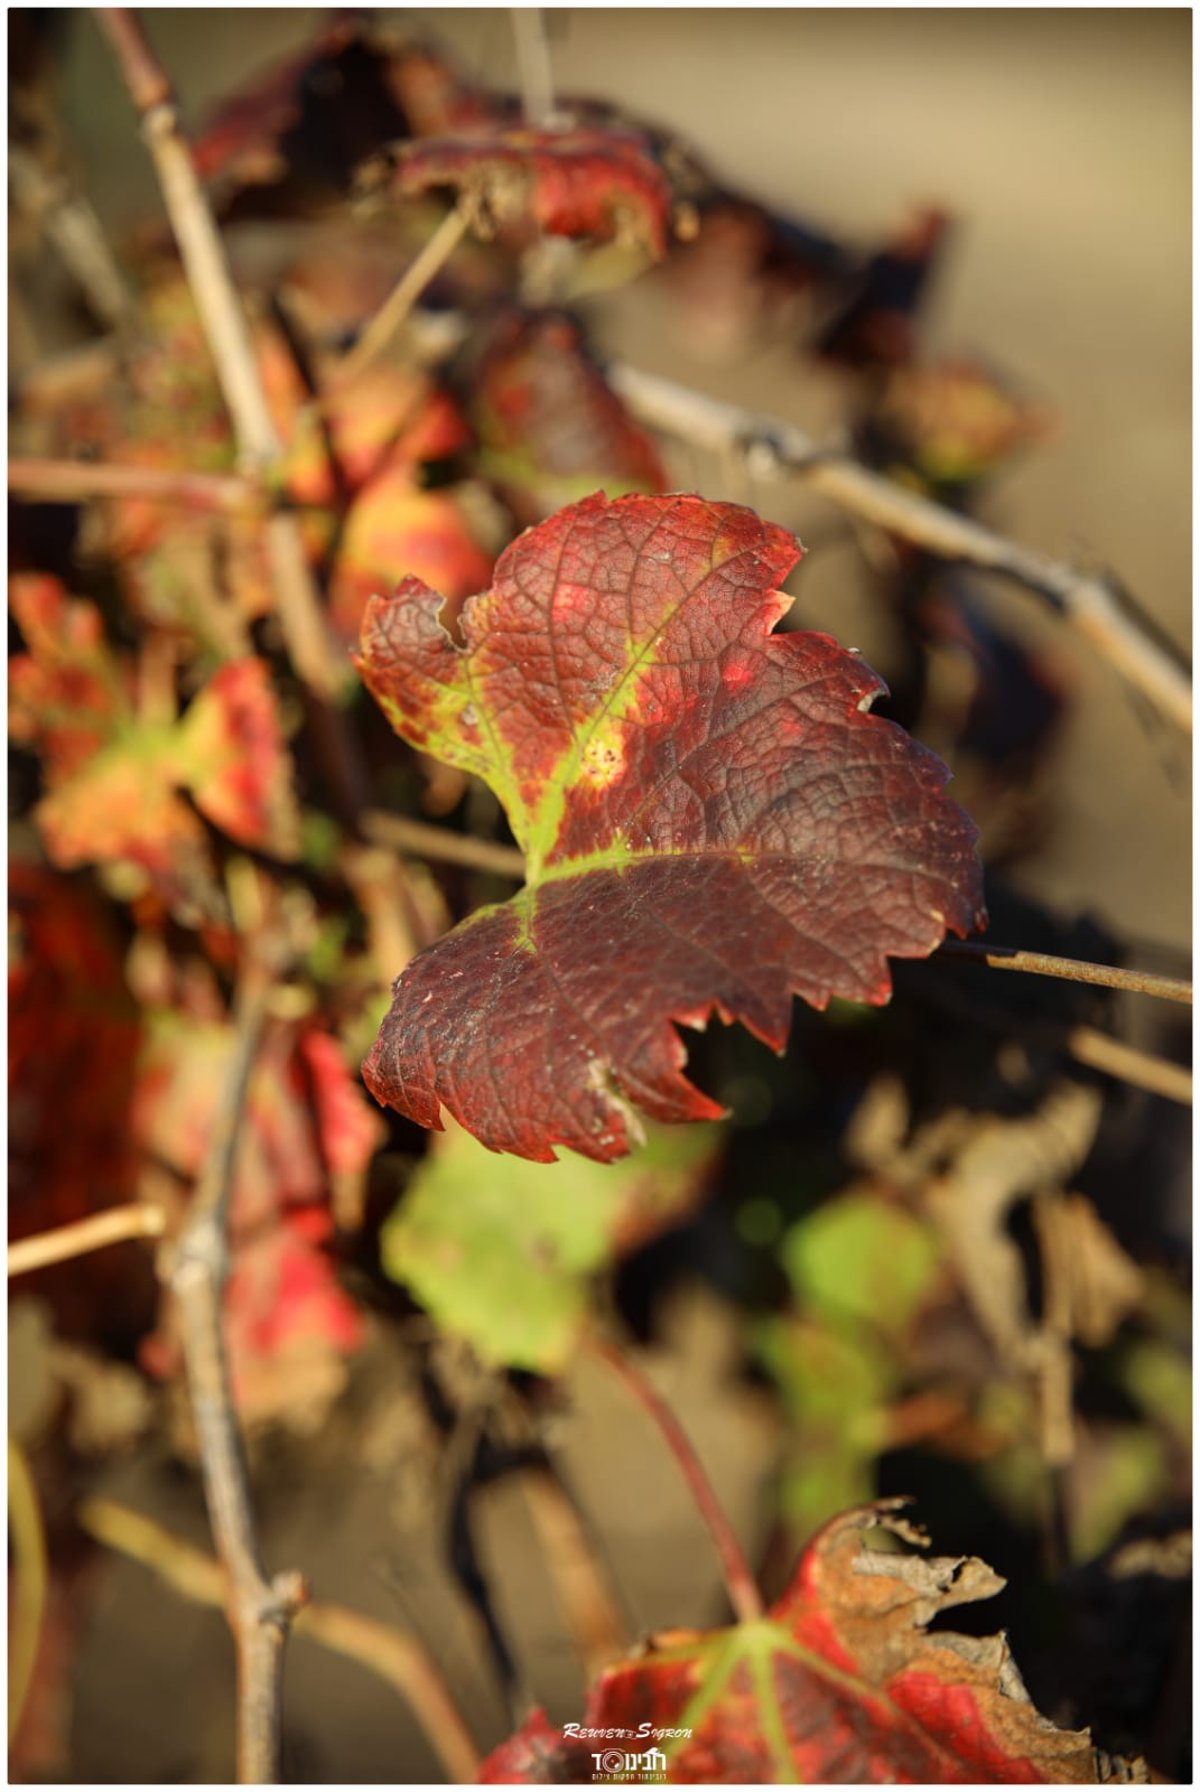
(136, 1220)
(1073, 970)
(75, 481)
(400, 301)
(260, 1610)
(1093, 604)
(399, 1659)
(425, 840)
(206, 265)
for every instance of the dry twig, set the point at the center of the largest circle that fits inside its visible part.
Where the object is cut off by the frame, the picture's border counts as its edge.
(30, 1583)
(75, 481)
(260, 1610)
(398, 305)
(399, 1659)
(72, 226)
(310, 645)
(137, 1220)
(1073, 970)
(1094, 605)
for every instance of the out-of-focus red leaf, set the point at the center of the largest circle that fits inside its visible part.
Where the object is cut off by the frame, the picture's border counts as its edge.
(952, 423)
(877, 324)
(232, 752)
(600, 185)
(841, 1683)
(73, 1040)
(308, 1136)
(65, 692)
(381, 429)
(550, 430)
(303, 127)
(712, 822)
(745, 274)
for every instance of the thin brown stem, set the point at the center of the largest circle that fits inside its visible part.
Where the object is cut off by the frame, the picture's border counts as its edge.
(1144, 1070)
(30, 1583)
(137, 1220)
(70, 223)
(589, 1605)
(399, 1659)
(311, 648)
(740, 1583)
(398, 305)
(1073, 970)
(1094, 605)
(424, 840)
(76, 481)
(534, 72)
(259, 1609)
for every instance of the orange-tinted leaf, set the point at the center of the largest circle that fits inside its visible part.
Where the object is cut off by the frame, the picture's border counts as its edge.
(113, 779)
(393, 523)
(234, 761)
(550, 430)
(602, 185)
(952, 422)
(437, 101)
(711, 818)
(841, 1683)
(66, 692)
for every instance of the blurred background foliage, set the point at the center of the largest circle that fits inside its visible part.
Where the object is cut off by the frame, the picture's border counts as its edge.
(931, 1250)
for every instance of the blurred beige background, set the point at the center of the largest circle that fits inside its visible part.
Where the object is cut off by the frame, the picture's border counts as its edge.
(1060, 138)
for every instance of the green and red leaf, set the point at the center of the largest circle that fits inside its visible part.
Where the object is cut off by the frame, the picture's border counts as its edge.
(711, 818)
(841, 1683)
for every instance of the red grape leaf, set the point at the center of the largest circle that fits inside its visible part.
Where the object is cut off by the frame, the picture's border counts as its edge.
(711, 821)
(603, 185)
(841, 1683)
(550, 428)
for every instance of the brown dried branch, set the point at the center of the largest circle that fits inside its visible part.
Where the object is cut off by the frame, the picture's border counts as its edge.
(1073, 970)
(1144, 1070)
(68, 220)
(740, 1583)
(29, 1585)
(260, 1610)
(310, 644)
(1093, 604)
(399, 1659)
(593, 1617)
(398, 305)
(424, 840)
(75, 481)
(137, 1220)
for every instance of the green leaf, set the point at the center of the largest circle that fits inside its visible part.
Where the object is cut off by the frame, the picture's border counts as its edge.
(862, 1258)
(501, 1251)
